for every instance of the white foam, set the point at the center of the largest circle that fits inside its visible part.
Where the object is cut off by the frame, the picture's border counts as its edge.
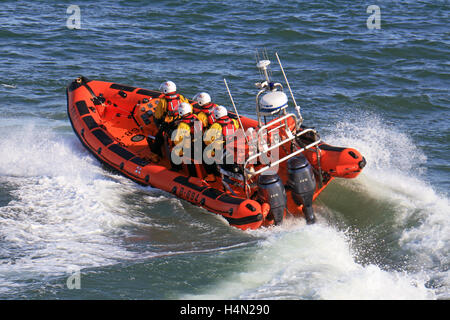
(12, 86)
(65, 209)
(396, 172)
(296, 261)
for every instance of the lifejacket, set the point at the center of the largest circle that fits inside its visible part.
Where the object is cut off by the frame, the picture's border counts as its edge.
(228, 128)
(208, 110)
(190, 121)
(173, 101)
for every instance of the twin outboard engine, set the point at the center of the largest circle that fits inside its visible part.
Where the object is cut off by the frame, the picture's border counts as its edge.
(302, 182)
(271, 190)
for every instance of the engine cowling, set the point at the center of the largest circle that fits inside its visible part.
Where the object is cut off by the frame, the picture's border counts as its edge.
(302, 183)
(271, 190)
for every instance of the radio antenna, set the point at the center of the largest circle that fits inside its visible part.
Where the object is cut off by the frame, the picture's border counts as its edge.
(235, 110)
(297, 108)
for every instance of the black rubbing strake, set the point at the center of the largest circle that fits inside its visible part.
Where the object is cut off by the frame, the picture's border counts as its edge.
(82, 107)
(102, 137)
(90, 122)
(127, 155)
(122, 87)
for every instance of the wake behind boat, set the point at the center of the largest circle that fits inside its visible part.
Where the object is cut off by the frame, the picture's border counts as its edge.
(283, 165)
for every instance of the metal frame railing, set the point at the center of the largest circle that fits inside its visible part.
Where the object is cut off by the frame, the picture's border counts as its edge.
(290, 137)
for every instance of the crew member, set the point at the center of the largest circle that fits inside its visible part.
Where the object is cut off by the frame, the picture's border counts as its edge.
(204, 109)
(184, 136)
(222, 131)
(166, 112)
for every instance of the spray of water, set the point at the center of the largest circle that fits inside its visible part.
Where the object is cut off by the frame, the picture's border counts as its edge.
(64, 209)
(396, 172)
(295, 261)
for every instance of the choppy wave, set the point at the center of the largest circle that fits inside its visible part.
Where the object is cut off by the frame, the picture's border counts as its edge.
(396, 172)
(296, 261)
(59, 207)
(63, 210)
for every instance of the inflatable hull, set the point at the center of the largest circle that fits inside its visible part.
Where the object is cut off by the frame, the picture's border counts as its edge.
(110, 121)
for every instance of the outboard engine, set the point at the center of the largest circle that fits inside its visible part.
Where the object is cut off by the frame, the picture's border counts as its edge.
(271, 190)
(302, 182)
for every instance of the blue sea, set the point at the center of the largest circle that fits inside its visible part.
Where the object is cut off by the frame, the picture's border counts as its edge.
(375, 80)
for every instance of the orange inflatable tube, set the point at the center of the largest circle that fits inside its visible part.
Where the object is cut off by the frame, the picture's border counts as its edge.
(113, 122)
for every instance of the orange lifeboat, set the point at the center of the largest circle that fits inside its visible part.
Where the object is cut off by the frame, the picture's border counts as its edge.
(114, 122)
